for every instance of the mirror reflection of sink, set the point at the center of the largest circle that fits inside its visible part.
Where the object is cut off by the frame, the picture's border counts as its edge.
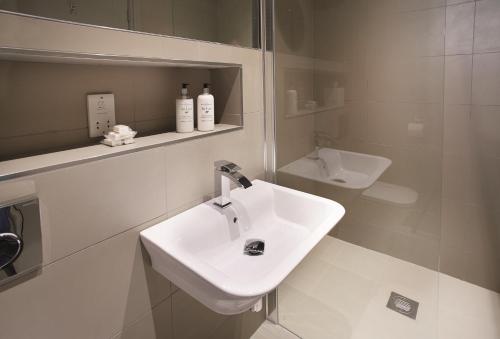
(340, 168)
(203, 249)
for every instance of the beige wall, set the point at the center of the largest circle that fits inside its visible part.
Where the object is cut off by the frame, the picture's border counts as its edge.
(426, 61)
(96, 280)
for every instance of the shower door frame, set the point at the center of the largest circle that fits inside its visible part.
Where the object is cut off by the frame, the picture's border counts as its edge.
(267, 33)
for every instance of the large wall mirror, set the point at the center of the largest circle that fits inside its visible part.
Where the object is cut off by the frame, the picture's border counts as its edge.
(234, 22)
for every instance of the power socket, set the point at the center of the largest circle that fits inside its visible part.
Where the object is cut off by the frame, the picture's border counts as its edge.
(101, 114)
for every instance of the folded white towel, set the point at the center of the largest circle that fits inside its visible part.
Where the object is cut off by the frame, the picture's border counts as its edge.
(120, 135)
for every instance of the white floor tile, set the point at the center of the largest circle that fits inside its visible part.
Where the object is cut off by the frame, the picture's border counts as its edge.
(341, 290)
(270, 331)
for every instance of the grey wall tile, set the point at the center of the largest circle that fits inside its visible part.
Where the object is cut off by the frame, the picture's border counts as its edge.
(185, 310)
(189, 172)
(32, 144)
(156, 324)
(487, 26)
(151, 16)
(485, 121)
(454, 2)
(486, 79)
(190, 19)
(460, 28)
(209, 324)
(413, 5)
(85, 204)
(457, 130)
(458, 79)
(92, 294)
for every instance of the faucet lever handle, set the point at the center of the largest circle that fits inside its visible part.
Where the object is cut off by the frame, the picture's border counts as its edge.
(226, 166)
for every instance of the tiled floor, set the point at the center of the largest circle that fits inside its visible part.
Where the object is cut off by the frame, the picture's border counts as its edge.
(270, 331)
(340, 291)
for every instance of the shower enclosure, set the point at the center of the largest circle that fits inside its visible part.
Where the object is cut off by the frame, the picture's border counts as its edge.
(378, 105)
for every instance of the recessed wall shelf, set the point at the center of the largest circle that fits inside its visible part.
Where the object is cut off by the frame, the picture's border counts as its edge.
(45, 162)
(45, 114)
(305, 111)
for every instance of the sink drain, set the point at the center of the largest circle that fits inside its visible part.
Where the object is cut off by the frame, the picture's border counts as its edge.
(254, 247)
(342, 181)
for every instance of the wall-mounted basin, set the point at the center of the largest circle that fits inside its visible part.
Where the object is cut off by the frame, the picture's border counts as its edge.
(216, 255)
(339, 168)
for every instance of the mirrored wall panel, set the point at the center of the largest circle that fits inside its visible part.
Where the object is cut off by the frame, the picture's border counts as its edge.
(225, 21)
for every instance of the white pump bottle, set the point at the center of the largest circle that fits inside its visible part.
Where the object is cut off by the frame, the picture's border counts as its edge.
(184, 111)
(205, 110)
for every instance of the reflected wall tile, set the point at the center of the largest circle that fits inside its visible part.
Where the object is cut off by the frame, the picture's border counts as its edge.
(295, 135)
(487, 26)
(421, 33)
(430, 37)
(455, 2)
(457, 130)
(418, 79)
(462, 180)
(469, 247)
(485, 128)
(460, 28)
(429, 85)
(455, 175)
(458, 79)
(456, 218)
(413, 5)
(149, 16)
(189, 22)
(295, 34)
(486, 79)
(452, 261)
(422, 170)
(379, 82)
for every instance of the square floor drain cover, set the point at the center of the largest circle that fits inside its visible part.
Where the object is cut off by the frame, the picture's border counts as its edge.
(403, 305)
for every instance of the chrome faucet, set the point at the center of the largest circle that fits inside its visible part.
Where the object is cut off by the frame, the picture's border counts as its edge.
(315, 156)
(225, 172)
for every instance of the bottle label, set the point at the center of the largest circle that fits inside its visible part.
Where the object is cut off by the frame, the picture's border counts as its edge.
(184, 111)
(207, 112)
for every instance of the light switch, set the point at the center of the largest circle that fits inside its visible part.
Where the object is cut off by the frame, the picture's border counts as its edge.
(101, 113)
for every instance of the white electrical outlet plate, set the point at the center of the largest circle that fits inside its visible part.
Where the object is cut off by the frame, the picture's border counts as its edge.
(101, 113)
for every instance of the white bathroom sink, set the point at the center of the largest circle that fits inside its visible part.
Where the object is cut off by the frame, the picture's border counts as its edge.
(340, 168)
(201, 250)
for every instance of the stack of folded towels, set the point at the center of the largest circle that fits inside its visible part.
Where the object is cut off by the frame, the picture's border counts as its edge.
(120, 135)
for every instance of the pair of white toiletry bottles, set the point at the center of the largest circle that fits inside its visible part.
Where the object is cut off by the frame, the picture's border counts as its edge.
(185, 111)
